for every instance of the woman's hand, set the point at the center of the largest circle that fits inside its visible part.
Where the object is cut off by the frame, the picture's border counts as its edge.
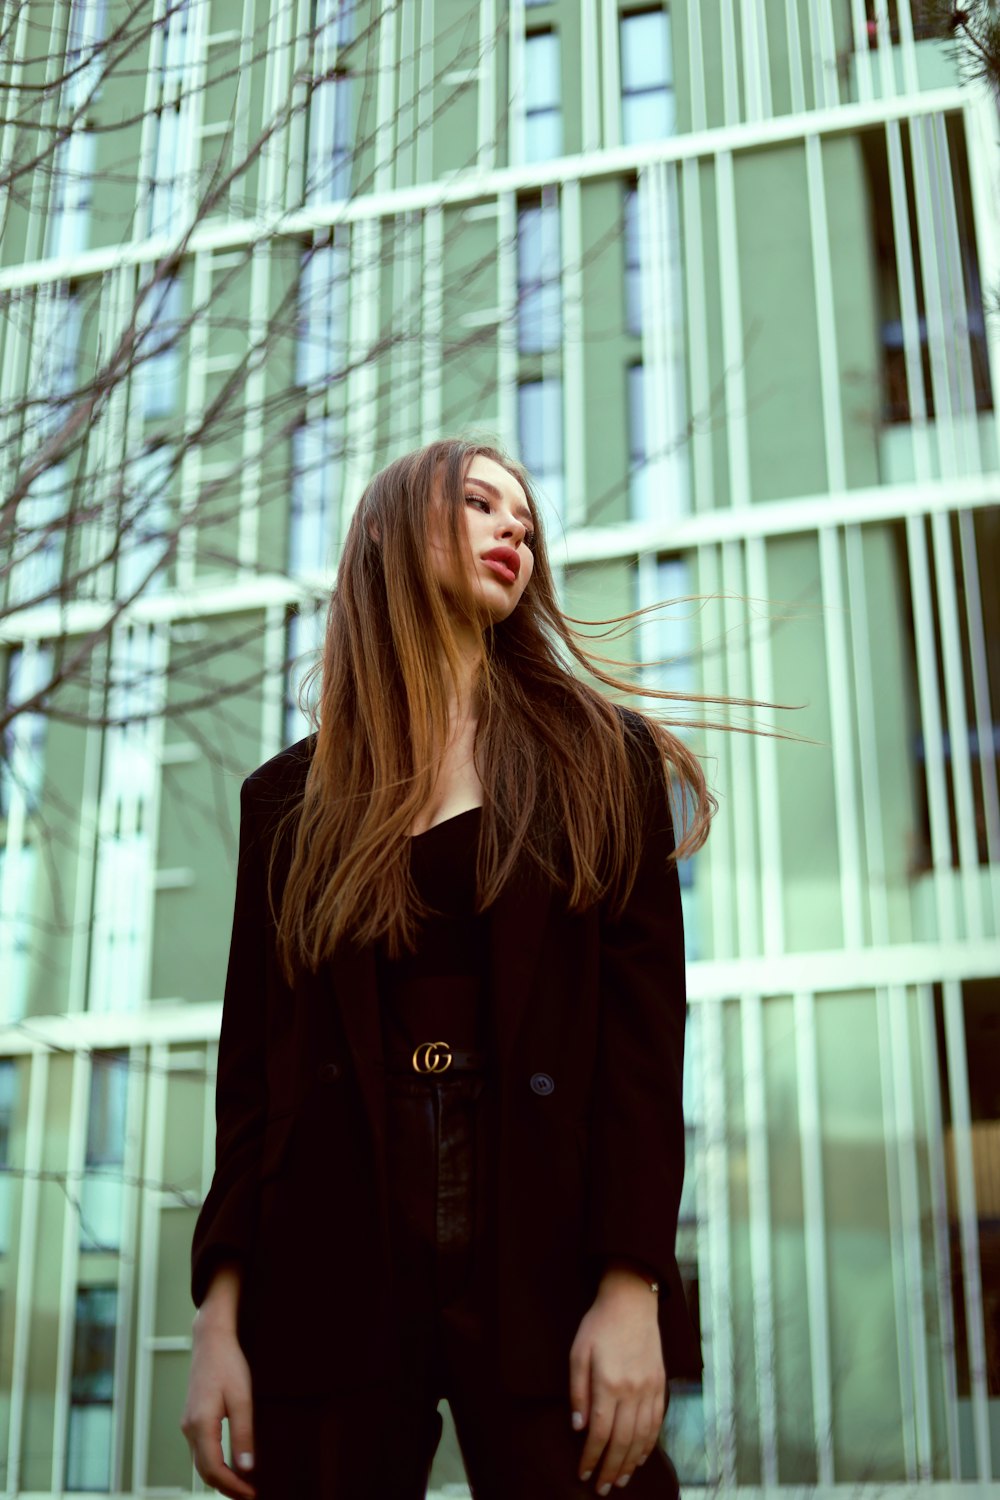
(219, 1386)
(617, 1379)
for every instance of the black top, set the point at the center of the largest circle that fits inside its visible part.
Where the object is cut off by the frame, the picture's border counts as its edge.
(438, 992)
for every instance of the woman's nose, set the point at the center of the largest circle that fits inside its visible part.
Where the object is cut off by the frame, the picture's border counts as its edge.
(512, 528)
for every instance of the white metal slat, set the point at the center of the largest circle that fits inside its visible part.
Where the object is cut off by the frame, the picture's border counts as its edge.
(590, 78)
(487, 99)
(73, 1225)
(831, 384)
(959, 344)
(814, 1231)
(971, 906)
(386, 100)
(759, 1196)
(610, 76)
(733, 341)
(432, 322)
(128, 1256)
(974, 622)
(767, 797)
(26, 1256)
(904, 1356)
(756, 61)
(720, 1384)
(939, 335)
(909, 317)
(152, 1171)
(860, 668)
(930, 719)
(695, 316)
(746, 826)
(732, 113)
(938, 1192)
(574, 396)
(903, 1128)
(842, 721)
(719, 852)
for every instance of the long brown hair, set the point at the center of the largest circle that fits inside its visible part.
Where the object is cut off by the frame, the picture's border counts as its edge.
(559, 782)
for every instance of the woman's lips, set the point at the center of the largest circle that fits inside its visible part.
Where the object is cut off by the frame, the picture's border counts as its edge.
(504, 563)
(501, 569)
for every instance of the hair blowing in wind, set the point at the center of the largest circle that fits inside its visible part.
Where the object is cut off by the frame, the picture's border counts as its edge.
(560, 787)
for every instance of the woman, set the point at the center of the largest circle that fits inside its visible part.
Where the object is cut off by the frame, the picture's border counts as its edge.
(450, 1138)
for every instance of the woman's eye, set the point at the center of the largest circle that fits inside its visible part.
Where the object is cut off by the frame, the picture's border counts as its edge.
(529, 540)
(478, 500)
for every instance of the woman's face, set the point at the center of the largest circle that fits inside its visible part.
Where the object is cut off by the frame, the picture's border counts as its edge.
(500, 533)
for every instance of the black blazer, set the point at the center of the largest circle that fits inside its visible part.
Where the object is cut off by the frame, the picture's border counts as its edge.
(588, 1035)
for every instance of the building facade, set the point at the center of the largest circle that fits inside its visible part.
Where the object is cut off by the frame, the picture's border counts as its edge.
(720, 276)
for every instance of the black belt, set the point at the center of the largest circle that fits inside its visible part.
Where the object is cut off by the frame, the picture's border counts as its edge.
(437, 1059)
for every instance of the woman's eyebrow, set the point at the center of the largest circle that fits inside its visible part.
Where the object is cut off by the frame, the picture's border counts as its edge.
(491, 489)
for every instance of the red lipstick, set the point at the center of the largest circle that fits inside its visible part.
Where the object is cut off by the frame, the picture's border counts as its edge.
(505, 563)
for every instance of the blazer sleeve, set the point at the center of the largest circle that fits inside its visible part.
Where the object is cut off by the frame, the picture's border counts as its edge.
(227, 1222)
(637, 1121)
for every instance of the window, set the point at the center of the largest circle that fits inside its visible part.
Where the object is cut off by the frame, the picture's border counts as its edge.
(633, 265)
(328, 168)
(22, 762)
(304, 641)
(333, 22)
(101, 1197)
(317, 477)
(88, 1448)
(157, 376)
(84, 36)
(144, 521)
(122, 896)
(962, 353)
(647, 77)
(164, 188)
(72, 194)
(321, 352)
(977, 606)
(542, 111)
(539, 265)
(923, 26)
(173, 138)
(540, 435)
(38, 541)
(638, 471)
(55, 352)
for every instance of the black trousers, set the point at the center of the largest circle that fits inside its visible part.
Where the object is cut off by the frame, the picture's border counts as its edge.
(380, 1443)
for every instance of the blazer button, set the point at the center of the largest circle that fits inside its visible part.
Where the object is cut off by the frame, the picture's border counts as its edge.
(542, 1083)
(330, 1072)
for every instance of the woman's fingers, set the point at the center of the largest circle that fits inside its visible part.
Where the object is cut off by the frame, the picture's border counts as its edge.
(219, 1386)
(205, 1438)
(240, 1412)
(643, 1438)
(622, 1433)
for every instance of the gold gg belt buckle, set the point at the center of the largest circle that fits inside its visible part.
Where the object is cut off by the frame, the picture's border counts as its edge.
(427, 1058)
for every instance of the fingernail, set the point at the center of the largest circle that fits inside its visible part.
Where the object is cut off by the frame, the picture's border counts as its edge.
(623, 1481)
(245, 1460)
(586, 1475)
(578, 1420)
(605, 1489)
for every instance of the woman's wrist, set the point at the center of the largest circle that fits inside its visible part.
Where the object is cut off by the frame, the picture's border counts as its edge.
(621, 1271)
(220, 1305)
